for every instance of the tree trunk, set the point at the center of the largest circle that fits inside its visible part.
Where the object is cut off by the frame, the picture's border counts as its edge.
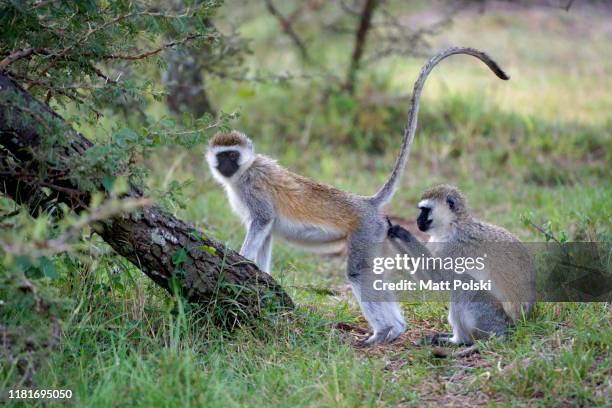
(287, 27)
(185, 84)
(185, 81)
(361, 36)
(169, 251)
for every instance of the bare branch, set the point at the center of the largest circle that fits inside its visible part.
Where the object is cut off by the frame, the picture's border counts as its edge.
(279, 77)
(288, 29)
(297, 13)
(349, 10)
(403, 40)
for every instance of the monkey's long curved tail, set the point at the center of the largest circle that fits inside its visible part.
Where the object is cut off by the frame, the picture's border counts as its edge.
(385, 194)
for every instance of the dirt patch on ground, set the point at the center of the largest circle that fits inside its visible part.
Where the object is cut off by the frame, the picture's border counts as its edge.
(450, 384)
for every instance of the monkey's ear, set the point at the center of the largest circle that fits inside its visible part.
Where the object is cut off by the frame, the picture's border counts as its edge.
(452, 204)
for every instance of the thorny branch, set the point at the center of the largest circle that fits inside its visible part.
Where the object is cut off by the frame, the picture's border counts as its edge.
(26, 53)
(23, 53)
(59, 54)
(404, 41)
(150, 53)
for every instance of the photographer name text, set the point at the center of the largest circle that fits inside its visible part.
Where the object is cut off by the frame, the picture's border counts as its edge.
(436, 286)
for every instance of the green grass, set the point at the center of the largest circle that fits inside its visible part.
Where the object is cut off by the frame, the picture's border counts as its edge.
(538, 145)
(117, 348)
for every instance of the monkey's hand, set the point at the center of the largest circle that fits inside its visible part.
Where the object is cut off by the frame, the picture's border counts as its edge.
(401, 233)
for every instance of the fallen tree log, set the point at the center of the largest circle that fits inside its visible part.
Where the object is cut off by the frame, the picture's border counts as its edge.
(205, 272)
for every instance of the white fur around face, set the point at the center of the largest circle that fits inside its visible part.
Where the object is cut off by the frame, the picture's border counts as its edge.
(442, 218)
(427, 203)
(247, 156)
(238, 206)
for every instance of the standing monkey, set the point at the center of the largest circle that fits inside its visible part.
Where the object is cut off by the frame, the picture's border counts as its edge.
(271, 199)
(473, 314)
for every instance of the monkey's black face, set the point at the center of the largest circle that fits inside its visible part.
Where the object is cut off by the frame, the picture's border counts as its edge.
(423, 220)
(227, 162)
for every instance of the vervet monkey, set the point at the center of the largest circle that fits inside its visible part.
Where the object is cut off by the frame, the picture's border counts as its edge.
(456, 233)
(271, 199)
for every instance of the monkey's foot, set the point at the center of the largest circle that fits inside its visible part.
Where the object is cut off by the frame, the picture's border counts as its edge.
(377, 338)
(386, 335)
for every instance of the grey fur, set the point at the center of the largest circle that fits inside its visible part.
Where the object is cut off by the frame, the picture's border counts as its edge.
(262, 217)
(384, 317)
(473, 314)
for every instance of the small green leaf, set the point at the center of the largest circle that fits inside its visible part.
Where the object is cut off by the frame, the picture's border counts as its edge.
(23, 263)
(179, 257)
(48, 268)
(168, 123)
(208, 249)
(120, 185)
(125, 136)
(108, 182)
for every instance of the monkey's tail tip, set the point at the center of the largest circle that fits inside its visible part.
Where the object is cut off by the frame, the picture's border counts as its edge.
(484, 57)
(495, 68)
(502, 75)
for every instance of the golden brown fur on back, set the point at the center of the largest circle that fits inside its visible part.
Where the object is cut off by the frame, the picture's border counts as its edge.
(296, 197)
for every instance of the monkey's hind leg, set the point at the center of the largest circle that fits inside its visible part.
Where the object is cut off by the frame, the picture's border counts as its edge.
(385, 317)
(264, 257)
